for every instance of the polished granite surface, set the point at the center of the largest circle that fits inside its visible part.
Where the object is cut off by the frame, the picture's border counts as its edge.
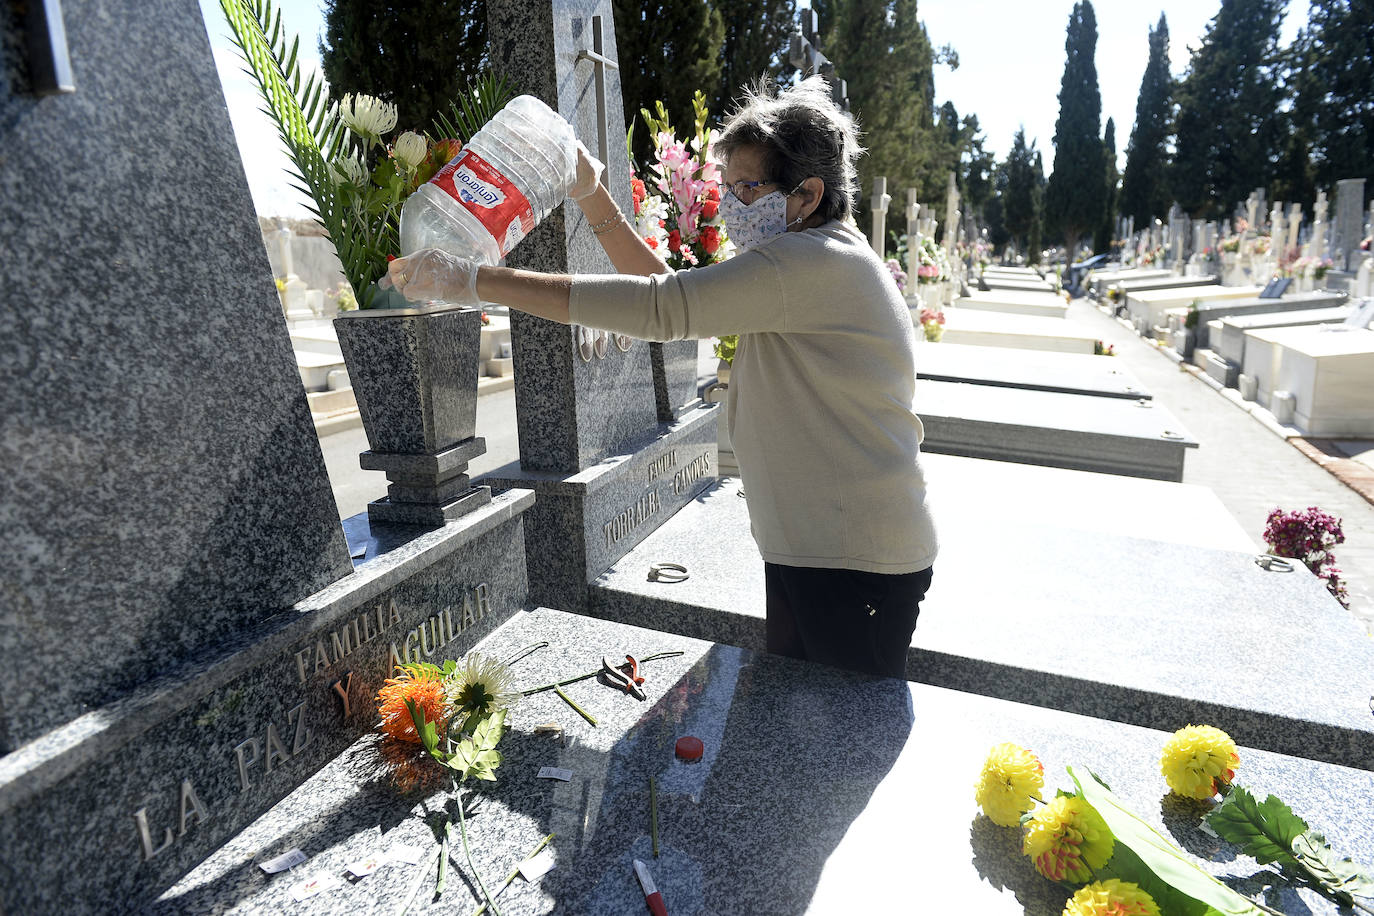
(820, 791)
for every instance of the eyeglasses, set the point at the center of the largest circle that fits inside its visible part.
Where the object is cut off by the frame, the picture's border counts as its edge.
(742, 188)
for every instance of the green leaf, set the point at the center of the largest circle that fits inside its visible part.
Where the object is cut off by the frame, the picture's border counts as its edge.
(1127, 866)
(1343, 877)
(1264, 830)
(429, 736)
(1168, 863)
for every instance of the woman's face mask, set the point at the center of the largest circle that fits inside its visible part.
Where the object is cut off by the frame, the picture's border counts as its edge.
(749, 225)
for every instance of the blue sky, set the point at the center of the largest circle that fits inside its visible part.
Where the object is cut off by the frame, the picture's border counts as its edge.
(1011, 57)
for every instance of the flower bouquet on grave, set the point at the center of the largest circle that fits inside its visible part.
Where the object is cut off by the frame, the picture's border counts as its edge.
(932, 262)
(439, 727)
(933, 324)
(677, 196)
(1090, 842)
(1309, 535)
(894, 267)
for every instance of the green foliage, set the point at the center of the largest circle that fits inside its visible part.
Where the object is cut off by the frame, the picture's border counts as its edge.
(1159, 856)
(418, 55)
(471, 110)
(725, 347)
(1021, 198)
(755, 44)
(667, 49)
(1228, 104)
(1102, 238)
(1144, 193)
(1074, 198)
(477, 756)
(1270, 832)
(1331, 72)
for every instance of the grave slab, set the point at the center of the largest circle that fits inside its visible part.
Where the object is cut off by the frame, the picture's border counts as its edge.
(1174, 281)
(1043, 305)
(998, 329)
(140, 791)
(1147, 308)
(1329, 371)
(1075, 599)
(1214, 309)
(1038, 370)
(1110, 435)
(1029, 284)
(746, 829)
(1102, 281)
(1229, 338)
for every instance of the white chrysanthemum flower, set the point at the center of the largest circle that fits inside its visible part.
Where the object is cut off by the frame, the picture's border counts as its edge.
(367, 116)
(480, 686)
(410, 150)
(348, 170)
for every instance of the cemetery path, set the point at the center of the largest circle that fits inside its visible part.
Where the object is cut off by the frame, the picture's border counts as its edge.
(1250, 469)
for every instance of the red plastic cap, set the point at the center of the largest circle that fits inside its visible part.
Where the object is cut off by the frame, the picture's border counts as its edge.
(689, 748)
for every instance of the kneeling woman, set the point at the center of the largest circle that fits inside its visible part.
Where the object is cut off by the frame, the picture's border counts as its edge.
(820, 396)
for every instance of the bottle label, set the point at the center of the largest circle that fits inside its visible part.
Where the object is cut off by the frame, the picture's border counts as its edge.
(492, 198)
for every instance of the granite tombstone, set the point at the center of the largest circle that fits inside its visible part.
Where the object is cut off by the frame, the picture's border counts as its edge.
(592, 445)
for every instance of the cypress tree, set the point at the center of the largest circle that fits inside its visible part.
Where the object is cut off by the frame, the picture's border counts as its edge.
(1073, 199)
(1334, 102)
(1144, 192)
(667, 50)
(419, 56)
(1035, 240)
(756, 35)
(1228, 109)
(1102, 238)
(1020, 197)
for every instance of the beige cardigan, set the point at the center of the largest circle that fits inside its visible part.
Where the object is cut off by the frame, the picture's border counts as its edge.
(820, 396)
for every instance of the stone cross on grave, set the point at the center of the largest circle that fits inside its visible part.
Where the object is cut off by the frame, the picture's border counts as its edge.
(1276, 232)
(1294, 224)
(1316, 245)
(913, 238)
(951, 215)
(881, 199)
(613, 440)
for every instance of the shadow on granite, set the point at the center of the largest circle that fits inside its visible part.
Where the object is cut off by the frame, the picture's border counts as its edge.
(821, 791)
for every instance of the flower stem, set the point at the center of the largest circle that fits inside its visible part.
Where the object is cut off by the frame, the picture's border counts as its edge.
(515, 872)
(463, 829)
(580, 711)
(591, 674)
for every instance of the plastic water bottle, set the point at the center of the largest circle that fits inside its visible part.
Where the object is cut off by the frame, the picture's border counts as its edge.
(507, 178)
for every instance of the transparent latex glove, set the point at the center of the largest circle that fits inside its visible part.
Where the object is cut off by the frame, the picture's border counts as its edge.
(589, 170)
(432, 273)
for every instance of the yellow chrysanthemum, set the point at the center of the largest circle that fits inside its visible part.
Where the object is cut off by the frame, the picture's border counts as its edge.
(1198, 761)
(424, 686)
(1111, 898)
(1066, 839)
(1010, 784)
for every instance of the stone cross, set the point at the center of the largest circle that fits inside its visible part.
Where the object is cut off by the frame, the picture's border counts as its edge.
(1276, 233)
(1294, 224)
(951, 215)
(1349, 228)
(880, 201)
(1316, 245)
(913, 237)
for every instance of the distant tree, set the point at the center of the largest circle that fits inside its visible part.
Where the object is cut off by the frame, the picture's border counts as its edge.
(978, 173)
(667, 50)
(1021, 191)
(1102, 238)
(1073, 200)
(1229, 110)
(419, 56)
(1035, 239)
(993, 211)
(756, 34)
(1144, 189)
(1333, 106)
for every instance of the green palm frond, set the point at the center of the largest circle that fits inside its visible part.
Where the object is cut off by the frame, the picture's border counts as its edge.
(487, 95)
(307, 124)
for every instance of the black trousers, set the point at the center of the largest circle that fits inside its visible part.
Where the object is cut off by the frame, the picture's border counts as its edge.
(846, 618)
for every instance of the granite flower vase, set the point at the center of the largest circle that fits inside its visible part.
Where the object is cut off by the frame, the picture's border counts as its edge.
(414, 374)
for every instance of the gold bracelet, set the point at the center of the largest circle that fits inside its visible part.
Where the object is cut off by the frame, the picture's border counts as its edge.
(609, 223)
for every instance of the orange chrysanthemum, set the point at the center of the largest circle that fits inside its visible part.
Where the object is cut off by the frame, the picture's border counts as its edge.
(424, 688)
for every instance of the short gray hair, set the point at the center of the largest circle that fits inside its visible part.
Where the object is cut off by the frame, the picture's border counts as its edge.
(801, 133)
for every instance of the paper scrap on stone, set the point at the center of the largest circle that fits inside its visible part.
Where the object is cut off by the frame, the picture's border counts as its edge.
(315, 885)
(284, 861)
(410, 855)
(537, 866)
(555, 773)
(364, 867)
